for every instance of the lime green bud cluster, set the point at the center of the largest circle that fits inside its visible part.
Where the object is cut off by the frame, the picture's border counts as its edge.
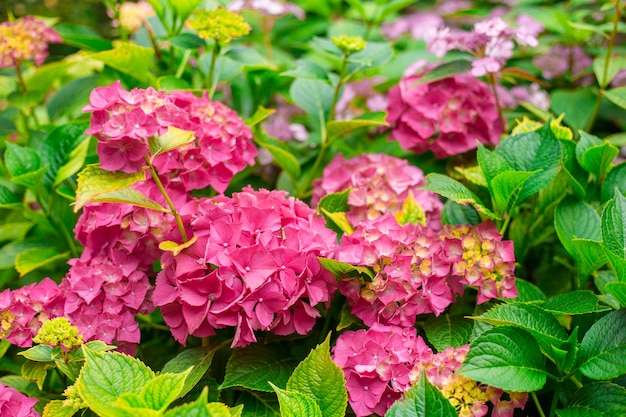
(219, 24)
(73, 398)
(59, 332)
(349, 44)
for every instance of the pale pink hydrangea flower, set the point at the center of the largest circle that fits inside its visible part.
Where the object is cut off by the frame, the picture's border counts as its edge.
(446, 116)
(267, 7)
(416, 24)
(23, 311)
(280, 125)
(562, 59)
(359, 97)
(378, 184)
(132, 15)
(532, 94)
(122, 121)
(254, 266)
(25, 39)
(15, 404)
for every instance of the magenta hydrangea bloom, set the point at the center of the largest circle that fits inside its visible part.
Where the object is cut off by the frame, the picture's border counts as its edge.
(122, 121)
(446, 116)
(254, 266)
(420, 271)
(23, 311)
(15, 404)
(378, 184)
(25, 39)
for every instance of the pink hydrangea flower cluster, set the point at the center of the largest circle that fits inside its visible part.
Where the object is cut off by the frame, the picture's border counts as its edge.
(15, 404)
(25, 39)
(23, 311)
(419, 271)
(491, 41)
(110, 283)
(254, 266)
(122, 121)
(446, 116)
(268, 7)
(562, 59)
(358, 97)
(532, 94)
(383, 362)
(379, 184)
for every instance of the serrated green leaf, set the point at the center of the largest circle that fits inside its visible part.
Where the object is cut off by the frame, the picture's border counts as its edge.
(454, 213)
(507, 358)
(617, 96)
(106, 376)
(615, 65)
(590, 256)
(473, 174)
(128, 58)
(76, 160)
(31, 179)
(577, 105)
(455, 191)
(36, 372)
(507, 188)
(296, 404)
(159, 393)
(314, 97)
(200, 358)
(422, 400)
(187, 40)
(445, 331)
(20, 160)
(616, 178)
(94, 181)
(373, 55)
(71, 97)
(336, 202)
(572, 303)
(307, 70)
(596, 399)
(603, 348)
(60, 147)
(445, 70)
(14, 230)
(338, 128)
(411, 212)
(282, 156)
(541, 324)
(617, 290)
(614, 226)
(576, 219)
(55, 408)
(342, 270)
(259, 404)
(38, 353)
(82, 37)
(598, 159)
(337, 221)
(8, 198)
(35, 258)
(200, 408)
(129, 196)
(491, 164)
(252, 367)
(321, 379)
(170, 140)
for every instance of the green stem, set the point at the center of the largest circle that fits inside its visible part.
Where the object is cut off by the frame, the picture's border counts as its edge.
(555, 399)
(491, 79)
(170, 203)
(344, 64)
(183, 63)
(155, 46)
(210, 85)
(20, 77)
(505, 225)
(536, 401)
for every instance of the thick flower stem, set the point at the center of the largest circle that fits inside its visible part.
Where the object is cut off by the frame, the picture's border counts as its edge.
(20, 77)
(210, 85)
(168, 200)
(537, 404)
(555, 399)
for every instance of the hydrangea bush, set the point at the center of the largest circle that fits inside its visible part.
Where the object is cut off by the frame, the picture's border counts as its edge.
(326, 209)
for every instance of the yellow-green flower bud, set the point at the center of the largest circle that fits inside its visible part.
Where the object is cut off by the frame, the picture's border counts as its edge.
(59, 332)
(219, 24)
(349, 44)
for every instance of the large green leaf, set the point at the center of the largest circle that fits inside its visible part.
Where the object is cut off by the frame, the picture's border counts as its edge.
(93, 181)
(314, 97)
(507, 358)
(576, 219)
(577, 105)
(454, 213)
(445, 70)
(307, 70)
(603, 348)
(128, 58)
(35, 258)
(455, 191)
(157, 394)
(344, 270)
(200, 408)
(255, 366)
(71, 97)
(373, 55)
(595, 155)
(598, 399)
(297, 404)
(283, 157)
(200, 358)
(82, 37)
(617, 96)
(170, 140)
(259, 404)
(590, 255)
(617, 290)
(321, 379)
(616, 64)
(491, 164)
(616, 178)
(614, 226)
(422, 400)
(538, 150)
(506, 189)
(572, 303)
(60, 147)
(20, 160)
(337, 128)
(445, 330)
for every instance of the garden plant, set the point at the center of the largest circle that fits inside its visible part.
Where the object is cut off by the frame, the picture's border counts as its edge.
(322, 208)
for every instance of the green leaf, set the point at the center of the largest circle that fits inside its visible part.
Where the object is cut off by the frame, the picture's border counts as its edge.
(454, 213)
(307, 70)
(342, 270)
(577, 105)
(200, 358)
(572, 303)
(455, 191)
(187, 41)
(507, 187)
(14, 230)
(183, 8)
(445, 331)
(314, 97)
(8, 198)
(93, 181)
(411, 212)
(576, 219)
(35, 258)
(31, 179)
(336, 202)
(200, 408)
(337, 221)
(616, 178)
(590, 256)
(128, 196)
(614, 225)
(296, 404)
(507, 358)
(616, 64)
(82, 37)
(172, 139)
(532, 151)
(71, 97)
(446, 70)
(527, 292)
(603, 348)
(36, 372)
(106, 376)
(55, 408)
(617, 290)
(38, 353)
(129, 59)
(20, 160)
(282, 156)
(595, 155)
(157, 394)
(491, 164)
(320, 378)
(541, 324)
(598, 399)
(338, 128)
(65, 150)
(422, 400)
(258, 404)
(373, 55)
(259, 115)
(255, 366)
(76, 160)
(617, 96)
